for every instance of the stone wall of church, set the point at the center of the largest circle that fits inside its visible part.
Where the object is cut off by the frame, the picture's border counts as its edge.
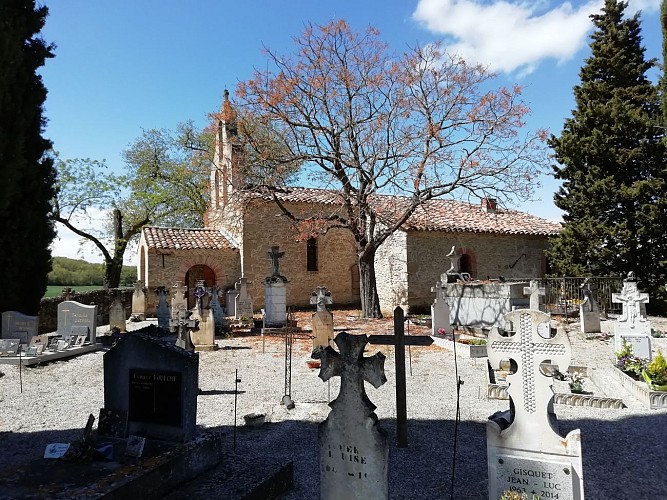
(167, 267)
(492, 255)
(264, 226)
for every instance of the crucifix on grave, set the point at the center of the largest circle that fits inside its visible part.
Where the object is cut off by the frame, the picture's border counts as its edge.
(199, 293)
(530, 442)
(275, 255)
(354, 454)
(534, 291)
(399, 341)
(632, 326)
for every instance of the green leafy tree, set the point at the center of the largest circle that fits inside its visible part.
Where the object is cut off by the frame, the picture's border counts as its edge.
(364, 121)
(164, 183)
(611, 159)
(27, 174)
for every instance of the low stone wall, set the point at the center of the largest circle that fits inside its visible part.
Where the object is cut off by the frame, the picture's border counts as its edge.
(48, 308)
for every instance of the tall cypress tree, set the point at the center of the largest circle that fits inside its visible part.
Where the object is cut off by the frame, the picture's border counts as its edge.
(26, 174)
(611, 161)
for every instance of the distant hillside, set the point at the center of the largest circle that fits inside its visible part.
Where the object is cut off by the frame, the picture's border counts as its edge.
(73, 272)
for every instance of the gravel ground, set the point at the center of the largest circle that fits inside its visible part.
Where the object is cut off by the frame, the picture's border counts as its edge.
(623, 450)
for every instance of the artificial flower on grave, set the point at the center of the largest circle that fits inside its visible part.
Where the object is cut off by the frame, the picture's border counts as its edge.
(655, 373)
(628, 363)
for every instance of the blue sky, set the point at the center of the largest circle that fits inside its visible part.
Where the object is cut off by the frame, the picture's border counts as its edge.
(126, 65)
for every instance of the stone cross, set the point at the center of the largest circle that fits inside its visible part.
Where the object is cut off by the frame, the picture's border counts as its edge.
(632, 301)
(184, 324)
(530, 345)
(354, 453)
(399, 341)
(535, 291)
(178, 299)
(321, 297)
(163, 313)
(275, 255)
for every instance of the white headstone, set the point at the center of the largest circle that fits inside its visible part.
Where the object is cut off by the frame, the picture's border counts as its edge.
(633, 321)
(354, 452)
(529, 456)
(117, 314)
(275, 314)
(139, 301)
(534, 291)
(439, 312)
(75, 315)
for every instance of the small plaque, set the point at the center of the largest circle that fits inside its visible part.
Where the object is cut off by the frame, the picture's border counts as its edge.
(56, 450)
(31, 351)
(135, 446)
(81, 339)
(39, 339)
(641, 345)
(542, 478)
(61, 345)
(40, 349)
(73, 339)
(9, 347)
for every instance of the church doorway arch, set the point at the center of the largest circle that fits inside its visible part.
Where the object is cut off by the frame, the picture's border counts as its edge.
(194, 274)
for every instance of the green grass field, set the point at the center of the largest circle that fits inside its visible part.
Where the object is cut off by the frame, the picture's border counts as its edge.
(55, 290)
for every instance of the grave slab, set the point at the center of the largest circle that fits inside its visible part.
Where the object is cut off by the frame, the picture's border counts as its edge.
(16, 325)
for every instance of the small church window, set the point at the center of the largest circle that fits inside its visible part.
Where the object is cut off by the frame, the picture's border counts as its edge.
(311, 254)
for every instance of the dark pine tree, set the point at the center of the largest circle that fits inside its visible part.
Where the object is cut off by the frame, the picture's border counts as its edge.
(611, 160)
(27, 173)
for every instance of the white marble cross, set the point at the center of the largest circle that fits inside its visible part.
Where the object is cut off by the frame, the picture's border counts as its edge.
(321, 297)
(535, 291)
(528, 347)
(632, 301)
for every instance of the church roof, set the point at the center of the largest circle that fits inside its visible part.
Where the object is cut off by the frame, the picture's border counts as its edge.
(437, 214)
(173, 238)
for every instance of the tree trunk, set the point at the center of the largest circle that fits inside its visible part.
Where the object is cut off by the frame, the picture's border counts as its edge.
(114, 266)
(370, 302)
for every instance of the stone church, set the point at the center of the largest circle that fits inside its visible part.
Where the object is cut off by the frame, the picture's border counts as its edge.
(242, 228)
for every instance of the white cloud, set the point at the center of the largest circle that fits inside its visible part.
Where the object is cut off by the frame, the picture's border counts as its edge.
(509, 37)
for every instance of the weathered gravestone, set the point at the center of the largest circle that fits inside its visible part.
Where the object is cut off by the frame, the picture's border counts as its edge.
(16, 325)
(589, 311)
(162, 312)
(243, 301)
(178, 299)
(230, 302)
(439, 311)
(78, 319)
(275, 292)
(139, 301)
(117, 314)
(534, 291)
(184, 325)
(529, 456)
(354, 453)
(156, 384)
(203, 337)
(632, 326)
(322, 320)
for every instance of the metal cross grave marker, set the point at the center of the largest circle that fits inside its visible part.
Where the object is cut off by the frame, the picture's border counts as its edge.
(399, 341)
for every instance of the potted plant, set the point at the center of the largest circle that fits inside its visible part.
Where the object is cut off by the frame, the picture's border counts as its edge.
(655, 374)
(576, 383)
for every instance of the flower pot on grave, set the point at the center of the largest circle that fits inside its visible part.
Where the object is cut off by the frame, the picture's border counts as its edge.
(313, 363)
(254, 419)
(652, 386)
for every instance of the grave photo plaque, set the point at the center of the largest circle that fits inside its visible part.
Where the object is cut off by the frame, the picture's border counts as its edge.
(155, 397)
(9, 347)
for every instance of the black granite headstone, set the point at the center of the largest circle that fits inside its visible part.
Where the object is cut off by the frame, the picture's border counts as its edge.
(156, 383)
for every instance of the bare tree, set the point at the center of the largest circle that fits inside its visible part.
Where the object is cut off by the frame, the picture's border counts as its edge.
(365, 123)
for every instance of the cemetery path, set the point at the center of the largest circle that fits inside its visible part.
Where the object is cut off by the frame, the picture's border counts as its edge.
(623, 449)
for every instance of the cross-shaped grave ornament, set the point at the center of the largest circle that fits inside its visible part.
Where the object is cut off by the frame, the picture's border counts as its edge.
(529, 388)
(184, 325)
(632, 300)
(275, 255)
(179, 290)
(199, 292)
(535, 291)
(354, 453)
(321, 297)
(438, 290)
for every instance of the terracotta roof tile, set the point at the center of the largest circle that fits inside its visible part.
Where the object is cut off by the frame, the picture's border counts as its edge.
(438, 215)
(185, 239)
